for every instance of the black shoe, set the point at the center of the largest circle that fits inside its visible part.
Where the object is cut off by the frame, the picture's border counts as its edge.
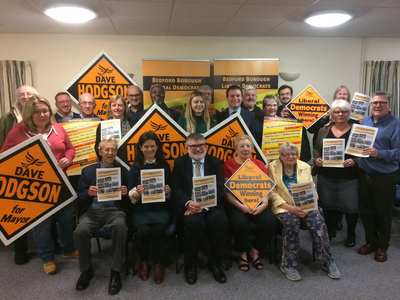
(115, 283)
(351, 241)
(339, 225)
(84, 279)
(20, 258)
(218, 275)
(190, 275)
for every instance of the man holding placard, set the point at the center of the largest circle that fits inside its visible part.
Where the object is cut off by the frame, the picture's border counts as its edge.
(94, 214)
(378, 177)
(196, 218)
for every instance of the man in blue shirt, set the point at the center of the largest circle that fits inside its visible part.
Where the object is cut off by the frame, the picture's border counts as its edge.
(378, 177)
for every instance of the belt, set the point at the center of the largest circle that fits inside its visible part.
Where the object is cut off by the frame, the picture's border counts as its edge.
(379, 175)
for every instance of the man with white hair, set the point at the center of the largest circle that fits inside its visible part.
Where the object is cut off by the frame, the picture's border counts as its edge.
(7, 122)
(87, 104)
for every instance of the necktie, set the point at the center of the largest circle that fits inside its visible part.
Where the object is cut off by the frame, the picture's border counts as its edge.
(234, 112)
(198, 165)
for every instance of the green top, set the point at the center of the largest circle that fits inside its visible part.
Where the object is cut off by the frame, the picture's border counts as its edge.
(200, 123)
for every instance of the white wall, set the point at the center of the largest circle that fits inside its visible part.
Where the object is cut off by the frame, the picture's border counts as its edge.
(323, 63)
(382, 49)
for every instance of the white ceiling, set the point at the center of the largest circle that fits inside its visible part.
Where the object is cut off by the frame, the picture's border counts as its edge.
(371, 18)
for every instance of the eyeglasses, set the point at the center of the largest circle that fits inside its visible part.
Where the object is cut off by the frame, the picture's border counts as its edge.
(340, 112)
(64, 102)
(87, 104)
(381, 103)
(289, 155)
(24, 95)
(271, 105)
(133, 96)
(111, 150)
(39, 112)
(194, 147)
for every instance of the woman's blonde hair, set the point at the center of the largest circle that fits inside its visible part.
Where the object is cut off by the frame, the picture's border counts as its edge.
(114, 99)
(29, 109)
(190, 117)
(242, 137)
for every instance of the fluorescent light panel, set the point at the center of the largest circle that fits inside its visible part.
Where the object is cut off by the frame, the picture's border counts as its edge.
(70, 14)
(328, 19)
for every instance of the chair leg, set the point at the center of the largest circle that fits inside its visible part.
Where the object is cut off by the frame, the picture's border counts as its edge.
(127, 257)
(133, 257)
(176, 255)
(98, 244)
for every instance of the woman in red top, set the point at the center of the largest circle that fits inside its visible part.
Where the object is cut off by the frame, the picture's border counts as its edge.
(241, 216)
(37, 119)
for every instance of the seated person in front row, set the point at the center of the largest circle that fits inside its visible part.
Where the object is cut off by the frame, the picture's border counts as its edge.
(196, 220)
(285, 171)
(150, 220)
(94, 215)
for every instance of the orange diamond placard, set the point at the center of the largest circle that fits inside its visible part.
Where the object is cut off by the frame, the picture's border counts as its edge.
(220, 139)
(308, 106)
(103, 78)
(171, 135)
(32, 188)
(249, 184)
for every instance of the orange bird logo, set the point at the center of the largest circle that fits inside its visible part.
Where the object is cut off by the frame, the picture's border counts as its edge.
(31, 161)
(232, 134)
(157, 127)
(104, 71)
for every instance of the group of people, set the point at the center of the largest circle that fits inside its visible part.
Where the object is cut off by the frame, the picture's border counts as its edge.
(364, 186)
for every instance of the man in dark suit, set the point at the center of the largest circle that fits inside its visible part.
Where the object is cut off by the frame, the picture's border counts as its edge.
(197, 221)
(157, 95)
(234, 96)
(94, 215)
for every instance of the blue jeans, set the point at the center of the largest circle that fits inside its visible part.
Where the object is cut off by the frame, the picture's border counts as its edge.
(44, 240)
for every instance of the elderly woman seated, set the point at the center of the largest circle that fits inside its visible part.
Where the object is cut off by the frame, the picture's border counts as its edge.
(285, 171)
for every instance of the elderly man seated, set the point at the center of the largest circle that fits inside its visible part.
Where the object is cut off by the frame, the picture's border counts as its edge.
(94, 214)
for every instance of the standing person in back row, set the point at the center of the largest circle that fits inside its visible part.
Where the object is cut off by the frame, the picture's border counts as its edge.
(378, 177)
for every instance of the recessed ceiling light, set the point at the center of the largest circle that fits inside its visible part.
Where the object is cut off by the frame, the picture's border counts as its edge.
(70, 14)
(328, 19)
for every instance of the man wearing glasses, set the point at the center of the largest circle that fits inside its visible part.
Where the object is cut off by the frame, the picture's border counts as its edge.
(64, 108)
(87, 104)
(135, 97)
(198, 221)
(378, 177)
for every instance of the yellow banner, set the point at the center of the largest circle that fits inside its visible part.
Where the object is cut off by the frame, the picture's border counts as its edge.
(277, 131)
(179, 79)
(260, 73)
(82, 133)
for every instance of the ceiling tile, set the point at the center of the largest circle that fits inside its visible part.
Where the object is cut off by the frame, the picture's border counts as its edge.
(341, 3)
(16, 8)
(151, 10)
(196, 25)
(33, 24)
(267, 12)
(140, 24)
(246, 26)
(201, 11)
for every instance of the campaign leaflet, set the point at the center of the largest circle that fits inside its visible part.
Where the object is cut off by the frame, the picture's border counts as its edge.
(361, 137)
(111, 128)
(333, 153)
(205, 191)
(153, 184)
(304, 196)
(108, 180)
(359, 106)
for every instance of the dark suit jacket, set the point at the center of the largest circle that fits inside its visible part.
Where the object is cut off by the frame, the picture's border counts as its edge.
(250, 120)
(88, 178)
(182, 180)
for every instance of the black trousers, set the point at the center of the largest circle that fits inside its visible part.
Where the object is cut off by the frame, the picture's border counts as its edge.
(377, 192)
(213, 222)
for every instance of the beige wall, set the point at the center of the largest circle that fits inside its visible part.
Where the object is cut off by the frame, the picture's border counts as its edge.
(323, 63)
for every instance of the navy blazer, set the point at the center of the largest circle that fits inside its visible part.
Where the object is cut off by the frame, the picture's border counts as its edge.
(88, 178)
(182, 179)
(250, 120)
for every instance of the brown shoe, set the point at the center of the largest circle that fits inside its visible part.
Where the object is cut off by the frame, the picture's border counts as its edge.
(158, 273)
(368, 248)
(144, 270)
(381, 255)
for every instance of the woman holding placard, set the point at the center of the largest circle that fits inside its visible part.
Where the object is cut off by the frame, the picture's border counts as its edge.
(241, 216)
(149, 219)
(117, 108)
(37, 119)
(196, 117)
(285, 171)
(337, 187)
